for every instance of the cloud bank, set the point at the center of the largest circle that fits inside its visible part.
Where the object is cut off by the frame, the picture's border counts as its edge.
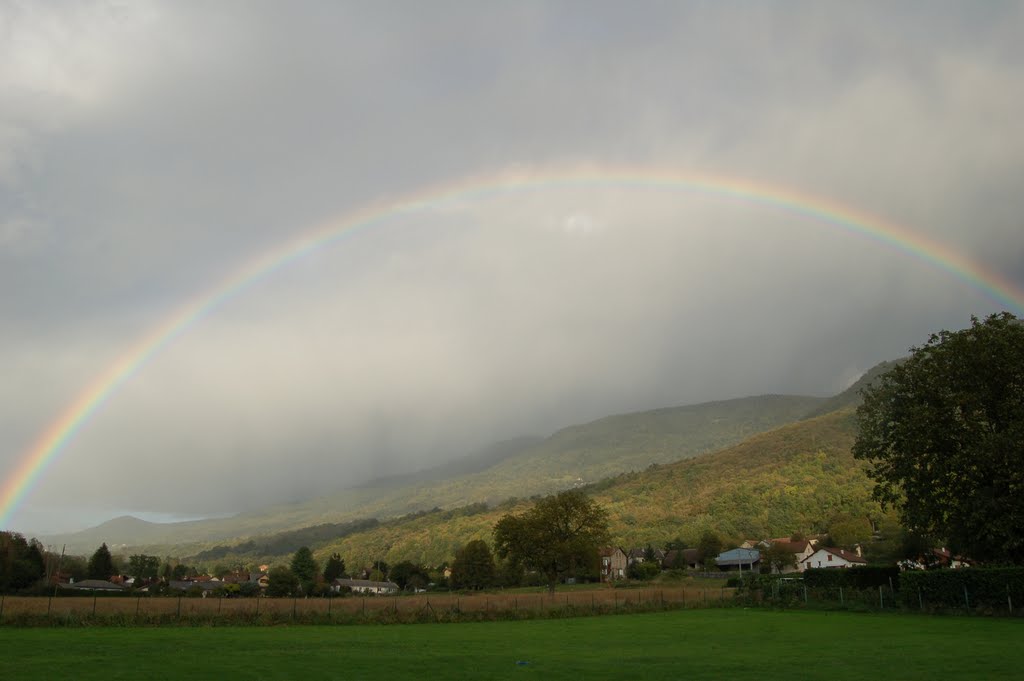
(148, 150)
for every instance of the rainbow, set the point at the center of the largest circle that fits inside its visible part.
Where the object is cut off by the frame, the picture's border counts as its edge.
(55, 438)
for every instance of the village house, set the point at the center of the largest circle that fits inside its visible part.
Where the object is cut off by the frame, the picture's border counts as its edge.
(685, 559)
(364, 586)
(832, 557)
(96, 585)
(741, 560)
(936, 558)
(800, 550)
(613, 563)
(639, 555)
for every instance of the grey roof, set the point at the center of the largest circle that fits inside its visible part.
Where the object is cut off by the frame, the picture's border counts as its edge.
(186, 585)
(738, 557)
(366, 583)
(96, 585)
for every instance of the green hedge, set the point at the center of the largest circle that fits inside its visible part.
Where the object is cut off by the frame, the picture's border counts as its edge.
(859, 577)
(984, 588)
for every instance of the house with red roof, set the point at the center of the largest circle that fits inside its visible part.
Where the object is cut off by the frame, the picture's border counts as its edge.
(832, 557)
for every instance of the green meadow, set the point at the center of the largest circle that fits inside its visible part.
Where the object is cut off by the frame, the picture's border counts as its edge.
(696, 644)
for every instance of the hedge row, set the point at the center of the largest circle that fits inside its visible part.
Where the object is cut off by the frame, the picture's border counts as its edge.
(859, 577)
(964, 588)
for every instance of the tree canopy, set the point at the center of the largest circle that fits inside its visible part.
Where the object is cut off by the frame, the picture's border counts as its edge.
(944, 435)
(281, 582)
(143, 567)
(708, 546)
(101, 564)
(21, 562)
(305, 568)
(559, 534)
(334, 568)
(473, 567)
(409, 575)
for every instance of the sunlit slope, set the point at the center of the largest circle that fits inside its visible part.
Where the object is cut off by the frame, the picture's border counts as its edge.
(590, 452)
(796, 477)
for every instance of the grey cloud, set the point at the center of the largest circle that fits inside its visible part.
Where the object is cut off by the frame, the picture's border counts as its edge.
(203, 135)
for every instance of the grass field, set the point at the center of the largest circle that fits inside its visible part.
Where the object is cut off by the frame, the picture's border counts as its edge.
(696, 644)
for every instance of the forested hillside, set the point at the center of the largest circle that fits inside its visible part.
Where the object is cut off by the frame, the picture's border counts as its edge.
(799, 477)
(576, 455)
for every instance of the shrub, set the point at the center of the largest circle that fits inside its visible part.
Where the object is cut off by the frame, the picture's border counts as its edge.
(984, 587)
(859, 577)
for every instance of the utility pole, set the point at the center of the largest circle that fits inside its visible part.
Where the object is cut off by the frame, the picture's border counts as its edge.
(56, 582)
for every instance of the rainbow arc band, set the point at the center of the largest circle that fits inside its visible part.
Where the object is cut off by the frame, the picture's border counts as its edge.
(63, 429)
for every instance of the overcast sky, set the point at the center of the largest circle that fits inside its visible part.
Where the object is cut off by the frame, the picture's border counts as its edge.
(150, 150)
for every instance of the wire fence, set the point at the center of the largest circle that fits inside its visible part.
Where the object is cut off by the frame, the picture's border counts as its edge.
(157, 610)
(795, 594)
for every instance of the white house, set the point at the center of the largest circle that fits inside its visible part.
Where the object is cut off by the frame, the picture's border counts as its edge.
(831, 557)
(801, 550)
(365, 586)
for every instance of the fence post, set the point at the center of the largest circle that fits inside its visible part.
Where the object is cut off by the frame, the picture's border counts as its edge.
(2, 597)
(94, 605)
(1009, 601)
(330, 600)
(805, 594)
(920, 599)
(138, 602)
(842, 601)
(881, 599)
(295, 601)
(967, 600)
(179, 607)
(705, 598)
(49, 601)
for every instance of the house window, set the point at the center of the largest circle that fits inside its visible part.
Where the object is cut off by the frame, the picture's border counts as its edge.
(830, 557)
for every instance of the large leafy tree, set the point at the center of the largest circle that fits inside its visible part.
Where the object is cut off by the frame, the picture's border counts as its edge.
(281, 582)
(21, 562)
(709, 545)
(473, 567)
(143, 567)
(101, 564)
(559, 534)
(305, 568)
(334, 568)
(778, 557)
(944, 435)
(409, 575)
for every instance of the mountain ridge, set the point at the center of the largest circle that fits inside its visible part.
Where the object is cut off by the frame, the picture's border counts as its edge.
(575, 455)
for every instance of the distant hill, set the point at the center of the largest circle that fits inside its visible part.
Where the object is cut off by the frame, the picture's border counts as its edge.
(523, 467)
(851, 397)
(798, 477)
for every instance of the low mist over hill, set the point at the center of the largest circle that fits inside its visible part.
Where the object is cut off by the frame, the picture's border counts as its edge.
(573, 456)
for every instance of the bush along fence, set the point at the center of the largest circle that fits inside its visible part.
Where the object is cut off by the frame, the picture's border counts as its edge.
(185, 611)
(992, 591)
